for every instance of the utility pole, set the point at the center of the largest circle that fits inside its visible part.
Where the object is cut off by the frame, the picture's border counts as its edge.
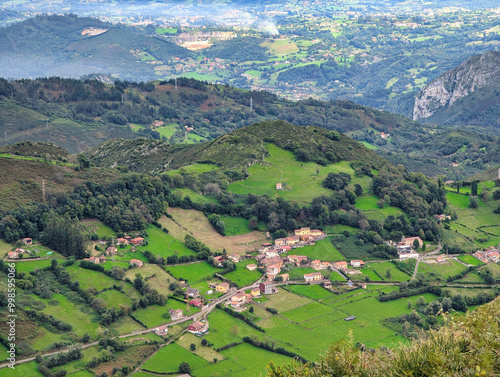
(43, 189)
(5, 136)
(175, 83)
(251, 103)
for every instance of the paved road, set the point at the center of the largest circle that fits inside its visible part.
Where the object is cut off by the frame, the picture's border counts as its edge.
(203, 313)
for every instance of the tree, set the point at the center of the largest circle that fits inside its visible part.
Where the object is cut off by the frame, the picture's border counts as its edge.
(204, 342)
(473, 202)
(192, 347)
(185, 368)
(253, 223)
(410, 304)
(416, 244)
(388, 273)
(420, 301)
(473, 188)
(358, 190)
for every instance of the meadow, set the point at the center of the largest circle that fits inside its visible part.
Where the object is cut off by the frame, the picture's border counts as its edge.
(236, 226)
(155, 276)
(168, 359)
(447, 268)
(470, 260)
(241, 275)
(153, 315)
(201, 229)
(193, 272)
(163, 244)
(322, 250)
(382, 267)
(96, 226)
(302, 180)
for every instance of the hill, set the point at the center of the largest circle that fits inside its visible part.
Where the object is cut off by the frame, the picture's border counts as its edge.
(467, 94)
(235, 150)
(72, 46)
(78, 114)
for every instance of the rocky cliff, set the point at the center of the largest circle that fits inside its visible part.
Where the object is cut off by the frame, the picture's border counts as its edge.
(477, 72)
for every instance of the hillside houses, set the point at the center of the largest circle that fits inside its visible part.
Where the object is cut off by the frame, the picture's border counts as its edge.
(314, 277)
(198, 328)
(136, 263)
(27, 241)
(490, 255)
(176, 314)
(161, 330)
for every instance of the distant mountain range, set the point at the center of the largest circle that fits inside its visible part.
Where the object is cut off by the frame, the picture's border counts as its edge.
(71, 46)
(466, 95)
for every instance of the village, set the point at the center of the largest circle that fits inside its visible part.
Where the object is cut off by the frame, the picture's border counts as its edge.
(273, 260)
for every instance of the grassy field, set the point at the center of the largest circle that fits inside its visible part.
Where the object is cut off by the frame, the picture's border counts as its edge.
(168, 359)
(89, 278)
(155, 276)
(322, 250)
(192, 272)
(236, 226)
(96, 226)
(194, 196)
(200, 228)
(476, 226)
(32, 265)
(163, 244)
(314, 292)
(299, 272)
(382, 267)
(241, 275)
(448, 268)
(114, 298)
(153, 315)
(204, 352)
(83, 318)
(302, 179)
(471, 277)
(470, 260)
(350, 250)
(244, 360)
(24, 370)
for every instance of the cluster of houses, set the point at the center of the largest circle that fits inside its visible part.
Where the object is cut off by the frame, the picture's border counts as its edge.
(490, 255)
(405, 247)
(127, 240)
(16, 254)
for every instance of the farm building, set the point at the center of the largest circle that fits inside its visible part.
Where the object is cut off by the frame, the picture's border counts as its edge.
(222, 287)
(313, 277)
(251, 267)
(266, 287)
(161, 330)
(176, 314)
(192, 292)
(27, 241)
(357, 263)
(136, 263)
(198, 328)
(197, 303)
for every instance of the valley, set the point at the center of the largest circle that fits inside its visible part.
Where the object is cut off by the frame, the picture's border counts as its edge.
(249, 188)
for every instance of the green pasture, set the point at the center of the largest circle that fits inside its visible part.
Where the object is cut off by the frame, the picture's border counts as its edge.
(194, 169)
(299, 272)
(155, 276)
(471, 277)
(168, 130)
(153, 315)
(352, 251)
(168, 359)
(83, 318)
(236, 226)
(302, 179)
(242, 276)
(244, 360)
(114, 298)
(96, 226)
(27, 266)
(315, 292)
(194, 196)
(89, 278)
(470, 260)
(193, 272)
(448, 268)
(322, 250)
(163, 244)
(382, 267)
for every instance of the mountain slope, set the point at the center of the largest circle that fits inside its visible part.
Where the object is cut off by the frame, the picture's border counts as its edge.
(467, 94)
(235, 150)
(70, 46)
